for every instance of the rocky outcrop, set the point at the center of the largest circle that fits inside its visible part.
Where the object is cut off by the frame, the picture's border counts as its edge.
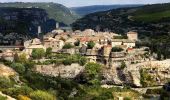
(68, 71)
(6, 71)
(158, 70)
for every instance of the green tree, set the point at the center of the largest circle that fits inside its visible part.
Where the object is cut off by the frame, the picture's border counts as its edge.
(38, 53)
(92, 73)
(42, 95)
(68, 46)
(82, 61)
(18, 67)
(48, 52)
(123, 65)
(117, 49)
(77, 43)
(22, 58)
(5, 83)
(90, 45)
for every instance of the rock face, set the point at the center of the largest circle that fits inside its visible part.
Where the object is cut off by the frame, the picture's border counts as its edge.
(6, 71)
(69, 71)
(158, 70)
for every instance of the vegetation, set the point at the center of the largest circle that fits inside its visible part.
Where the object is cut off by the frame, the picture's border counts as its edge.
(92, 73)
(123, 65)
(117, 49)
(55, 11)
(48, 52)
(77, 43)
(90, 45)
(68, 46)
(3, 98)
(19, 67)
(146, 79)
(41, 95)
(38, 53)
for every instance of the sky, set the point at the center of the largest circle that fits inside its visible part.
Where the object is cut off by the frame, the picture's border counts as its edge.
(76, 3)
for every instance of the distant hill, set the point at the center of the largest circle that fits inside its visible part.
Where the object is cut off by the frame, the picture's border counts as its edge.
(55, 11)
(148, 20)
(96, 8)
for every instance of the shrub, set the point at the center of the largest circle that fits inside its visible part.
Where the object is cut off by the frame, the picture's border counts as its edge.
(3, 98)
(38, 53)
(90, 45)
(15, 92)
(48, 52)
(117, 49)
(92, 73)
(18, 67)
(68, 46)
(5, 83)
(41, 95)
(21, 97)
(77, 43)
(82, 61)
(67, 62)
(123, 65)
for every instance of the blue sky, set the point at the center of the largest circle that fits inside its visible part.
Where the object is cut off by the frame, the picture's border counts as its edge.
(72, 3)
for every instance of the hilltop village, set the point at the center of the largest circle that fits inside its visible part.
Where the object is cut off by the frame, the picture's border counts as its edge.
(106, 48)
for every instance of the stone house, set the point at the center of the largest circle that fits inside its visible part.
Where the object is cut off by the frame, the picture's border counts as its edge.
(53, 43)
(32, 44)
(132, 36)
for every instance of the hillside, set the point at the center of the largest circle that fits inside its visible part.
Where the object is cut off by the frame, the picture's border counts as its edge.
(24, 20)
(147, 20)
(96, 8)
(55, 11)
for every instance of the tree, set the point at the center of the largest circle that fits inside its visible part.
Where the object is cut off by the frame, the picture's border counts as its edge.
(77, 43)
(48, 52)
(90, 45)
(92, 73)
(42, 95)
(22, 58)
(18, 67)
(82, 61)
(38, 53)
(123, 65)
(68, 46)
(117, 49)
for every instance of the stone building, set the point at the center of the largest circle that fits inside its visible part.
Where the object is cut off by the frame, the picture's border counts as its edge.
(32, 44)
(53, 43)
(132, 36)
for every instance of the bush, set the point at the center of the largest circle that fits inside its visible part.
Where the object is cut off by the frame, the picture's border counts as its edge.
(68, 46)
(41, 95)
(48, 52)
(18, 67)
(123, 65)
(3, 98)
(5, 83)
(21, 97)
(90, 45)
(82, 61)
(15, 92)
(117, 49)
(92, 73)
(77, 43)
(38, 53)
(67, 62)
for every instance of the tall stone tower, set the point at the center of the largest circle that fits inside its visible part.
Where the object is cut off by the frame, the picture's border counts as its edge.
(57, 25)
(39, 31)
